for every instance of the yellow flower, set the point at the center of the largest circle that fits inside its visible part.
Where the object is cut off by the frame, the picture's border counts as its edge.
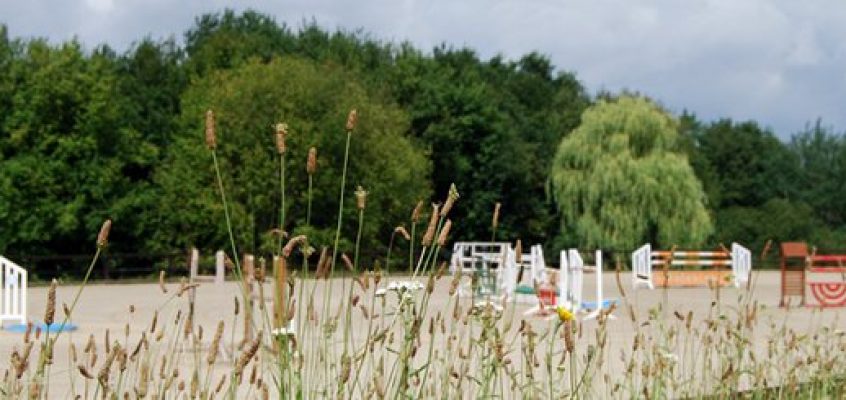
(564, 314)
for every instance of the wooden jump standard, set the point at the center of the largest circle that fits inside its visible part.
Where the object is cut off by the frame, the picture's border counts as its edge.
(797, 265)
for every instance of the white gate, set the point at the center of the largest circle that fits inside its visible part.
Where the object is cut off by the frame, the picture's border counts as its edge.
(13, 285)
(642, 267)
(741, 264)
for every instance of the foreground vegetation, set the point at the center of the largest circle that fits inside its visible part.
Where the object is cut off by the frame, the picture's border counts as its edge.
(348, 342)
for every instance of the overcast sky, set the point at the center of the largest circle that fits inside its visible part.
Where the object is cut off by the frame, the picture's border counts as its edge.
(782, 63)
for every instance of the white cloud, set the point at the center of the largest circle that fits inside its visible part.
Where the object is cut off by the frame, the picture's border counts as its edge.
(778, 62)
(100, 6)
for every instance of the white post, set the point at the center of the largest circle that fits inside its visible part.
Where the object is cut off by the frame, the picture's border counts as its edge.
(22, 296)
(219, 267)
(577, 268)
(599, 281)
(194, 264)
(563, 279)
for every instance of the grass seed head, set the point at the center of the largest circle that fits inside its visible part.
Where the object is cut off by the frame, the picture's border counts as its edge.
(442, 238)
(360, 198)
(352, 120)
(404, 233)
(452, 196)
(281, 133)
(311, 162)
(211, 138)
(50, 311)
(347, 262)
(429, 236)
(415, 214)
(247, 355)
(103, 236)
(294, 242)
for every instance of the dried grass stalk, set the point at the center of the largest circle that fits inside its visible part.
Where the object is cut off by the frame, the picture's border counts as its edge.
(295, 241)
(415, 214)
(347, 262)
(518, 250)
(247, 355)
(50, 312)
(442, 238)
(215, 344)
(404, 233)
(429, 236)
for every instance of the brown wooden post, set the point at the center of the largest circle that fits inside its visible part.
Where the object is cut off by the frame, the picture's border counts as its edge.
(794, 256)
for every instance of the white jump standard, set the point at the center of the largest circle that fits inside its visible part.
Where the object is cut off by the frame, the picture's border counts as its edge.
(571, 284)
(13, 286)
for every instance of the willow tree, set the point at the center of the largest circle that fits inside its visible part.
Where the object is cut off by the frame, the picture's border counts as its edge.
(619, 180)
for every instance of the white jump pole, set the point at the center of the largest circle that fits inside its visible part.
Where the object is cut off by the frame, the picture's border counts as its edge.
(599, 283)
(563, 279)
(598, 299)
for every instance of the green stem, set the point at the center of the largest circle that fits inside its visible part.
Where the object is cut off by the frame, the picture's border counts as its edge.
(282, 205)
(411, 247)
(358, 237)
(348, 319)
(388, 256)
(308, 210)
(341, 203)
(329, 283)
(79, 291)
(238, 274)
(236, 260)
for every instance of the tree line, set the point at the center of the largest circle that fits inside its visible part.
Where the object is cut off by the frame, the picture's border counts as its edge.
(89, 134)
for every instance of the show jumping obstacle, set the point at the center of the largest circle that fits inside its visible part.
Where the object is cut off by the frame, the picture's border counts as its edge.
(797, 265)
(571, 283)
(13, 285)
(723, 266)
(493, 265)
(496, 270)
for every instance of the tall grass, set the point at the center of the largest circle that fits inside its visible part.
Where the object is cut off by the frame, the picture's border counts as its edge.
(423, 340)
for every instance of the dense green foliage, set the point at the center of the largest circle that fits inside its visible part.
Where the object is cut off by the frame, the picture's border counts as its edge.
(312, 99)
(761, 189)
(90, 133)
(620, 179)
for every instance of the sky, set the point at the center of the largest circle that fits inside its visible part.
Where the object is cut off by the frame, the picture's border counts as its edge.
(781, 63)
